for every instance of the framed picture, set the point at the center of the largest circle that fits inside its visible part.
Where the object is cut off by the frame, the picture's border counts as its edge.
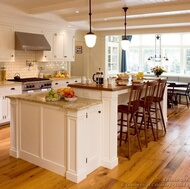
(78, 49)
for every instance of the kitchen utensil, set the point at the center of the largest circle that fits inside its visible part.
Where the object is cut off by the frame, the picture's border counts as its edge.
(98, 77)
(17, 77)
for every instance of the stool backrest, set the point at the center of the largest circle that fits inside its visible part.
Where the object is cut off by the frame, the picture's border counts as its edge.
(150, 88)
(134, 97)
(160, 89)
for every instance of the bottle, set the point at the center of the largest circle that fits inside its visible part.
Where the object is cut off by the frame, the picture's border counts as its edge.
(3, 74)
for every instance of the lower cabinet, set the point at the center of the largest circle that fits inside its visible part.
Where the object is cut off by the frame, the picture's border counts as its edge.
(64, 141)
(5, 102)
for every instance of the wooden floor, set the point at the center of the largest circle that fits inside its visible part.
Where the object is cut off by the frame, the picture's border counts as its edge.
(164, 164)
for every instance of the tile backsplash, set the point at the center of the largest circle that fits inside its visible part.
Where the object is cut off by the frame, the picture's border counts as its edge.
(20, 65)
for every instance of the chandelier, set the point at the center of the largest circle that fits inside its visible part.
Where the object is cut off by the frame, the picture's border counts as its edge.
(157, 57)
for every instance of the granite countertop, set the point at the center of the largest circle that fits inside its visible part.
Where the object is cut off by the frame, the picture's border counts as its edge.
(79, 104)
(7, 83)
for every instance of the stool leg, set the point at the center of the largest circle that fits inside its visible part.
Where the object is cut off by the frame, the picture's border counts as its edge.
(128, 136)
(151, 124)
(121, 129)
(162, 116)
(137, 132)
(156, 118)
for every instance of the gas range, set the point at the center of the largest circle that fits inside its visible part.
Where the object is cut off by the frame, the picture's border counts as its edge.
(34, 84)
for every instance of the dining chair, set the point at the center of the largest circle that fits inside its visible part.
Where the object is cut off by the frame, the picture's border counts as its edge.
(127, 122)
(143, 115)
(156, 109)
(171, 96)
(185, 93)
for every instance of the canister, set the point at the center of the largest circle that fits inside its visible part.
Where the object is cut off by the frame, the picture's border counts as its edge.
(3, 74)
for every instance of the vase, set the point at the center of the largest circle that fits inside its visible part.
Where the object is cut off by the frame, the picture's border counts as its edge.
(158, 75)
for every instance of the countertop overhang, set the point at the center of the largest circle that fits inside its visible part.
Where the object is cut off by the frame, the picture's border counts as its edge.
(104, 87)
(79, 104)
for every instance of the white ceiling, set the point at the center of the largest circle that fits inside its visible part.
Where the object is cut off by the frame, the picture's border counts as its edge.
(106, 14)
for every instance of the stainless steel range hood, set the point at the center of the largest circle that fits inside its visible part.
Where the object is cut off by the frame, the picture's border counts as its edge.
(30, 41)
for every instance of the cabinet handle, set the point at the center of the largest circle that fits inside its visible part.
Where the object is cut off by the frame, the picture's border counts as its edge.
(56, 83)
(99, 112)
(12, 88)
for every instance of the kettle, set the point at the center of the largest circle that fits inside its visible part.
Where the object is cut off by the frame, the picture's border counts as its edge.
(98, 77)
(17, 77)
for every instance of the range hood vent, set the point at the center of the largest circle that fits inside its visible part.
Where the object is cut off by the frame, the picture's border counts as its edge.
(31, 42)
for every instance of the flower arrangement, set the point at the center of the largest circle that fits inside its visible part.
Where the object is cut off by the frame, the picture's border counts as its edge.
(158, 70)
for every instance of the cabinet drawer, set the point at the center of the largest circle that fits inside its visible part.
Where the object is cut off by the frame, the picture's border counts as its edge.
(13, 89)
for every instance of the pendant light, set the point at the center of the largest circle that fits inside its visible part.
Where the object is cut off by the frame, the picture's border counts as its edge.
(125, 42)
(90, 38)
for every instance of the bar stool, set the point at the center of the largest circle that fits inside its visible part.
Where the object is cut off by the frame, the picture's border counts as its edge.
(157, 108)
(129, 124)
(143, 116)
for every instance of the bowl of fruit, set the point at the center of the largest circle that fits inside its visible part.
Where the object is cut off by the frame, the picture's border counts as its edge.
(68, 94)
(52, 96)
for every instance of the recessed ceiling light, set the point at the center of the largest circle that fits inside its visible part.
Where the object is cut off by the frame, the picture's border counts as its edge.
(77, 11)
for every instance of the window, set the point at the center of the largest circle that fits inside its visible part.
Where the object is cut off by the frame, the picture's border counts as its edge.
(176, 47)
(112, 61)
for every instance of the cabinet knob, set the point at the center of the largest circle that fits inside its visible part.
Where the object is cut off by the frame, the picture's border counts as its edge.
(67, 82)
(12, 88)
(12, 55)
(56, 83)
(76, 81)
(55, 56)
(65, 56)
(99, 112)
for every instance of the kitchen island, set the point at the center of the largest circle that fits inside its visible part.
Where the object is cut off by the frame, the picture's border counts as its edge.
(111, 96)
(63, 137)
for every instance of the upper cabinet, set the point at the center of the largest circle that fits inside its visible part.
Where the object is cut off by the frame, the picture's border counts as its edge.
(62, 46)
(7, 52)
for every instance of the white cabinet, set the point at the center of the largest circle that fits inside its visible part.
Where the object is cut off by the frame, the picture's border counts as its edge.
(62, 83)
(7, 53)
(93, 138)
(5, 102)
(62, 46)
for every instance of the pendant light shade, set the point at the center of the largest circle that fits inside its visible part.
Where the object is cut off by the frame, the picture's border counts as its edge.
(90, 38)
(125, 41)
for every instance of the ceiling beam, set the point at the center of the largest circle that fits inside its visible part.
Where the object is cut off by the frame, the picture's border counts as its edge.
(140, 22)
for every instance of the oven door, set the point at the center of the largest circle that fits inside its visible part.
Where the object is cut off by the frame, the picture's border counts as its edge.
(35, 91)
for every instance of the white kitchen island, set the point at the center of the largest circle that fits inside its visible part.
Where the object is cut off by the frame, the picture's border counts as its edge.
(63, 137)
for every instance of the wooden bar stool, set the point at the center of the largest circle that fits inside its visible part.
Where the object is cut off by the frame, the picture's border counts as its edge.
(143, 116)
(157, 108)
(128, 126)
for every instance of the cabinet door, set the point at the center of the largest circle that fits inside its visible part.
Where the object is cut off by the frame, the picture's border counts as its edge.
(7, 44)
(59, 46)
(69, 46)
(49, 55)
(93, 144)
(1, 108)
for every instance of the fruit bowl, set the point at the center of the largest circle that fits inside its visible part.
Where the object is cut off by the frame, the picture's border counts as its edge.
(52, 99)
(70, 99)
